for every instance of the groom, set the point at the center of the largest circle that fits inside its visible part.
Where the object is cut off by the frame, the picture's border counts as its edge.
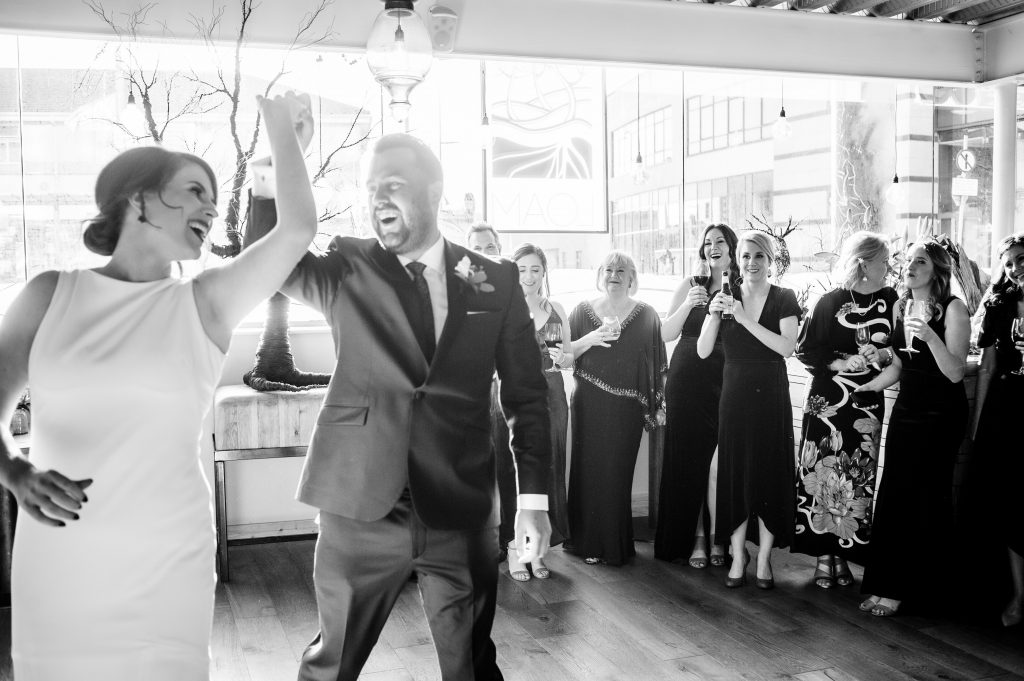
(400, 463)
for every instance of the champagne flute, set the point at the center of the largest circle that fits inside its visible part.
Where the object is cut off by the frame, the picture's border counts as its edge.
(1017, 335)
(702, 276)
(553, 339)
(613, 326)
(863, 337)
(916, 309)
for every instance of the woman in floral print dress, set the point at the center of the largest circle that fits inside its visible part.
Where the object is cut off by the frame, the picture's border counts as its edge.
(838, 452)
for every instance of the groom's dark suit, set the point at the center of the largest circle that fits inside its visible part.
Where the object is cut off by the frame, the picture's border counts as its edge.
(399, 438)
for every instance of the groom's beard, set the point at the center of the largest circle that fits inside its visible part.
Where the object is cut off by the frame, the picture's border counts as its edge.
(408, 235)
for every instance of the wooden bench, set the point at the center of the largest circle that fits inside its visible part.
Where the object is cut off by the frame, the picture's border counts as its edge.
(251, 425)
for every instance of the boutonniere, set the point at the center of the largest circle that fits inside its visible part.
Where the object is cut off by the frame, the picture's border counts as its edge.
(473, 275)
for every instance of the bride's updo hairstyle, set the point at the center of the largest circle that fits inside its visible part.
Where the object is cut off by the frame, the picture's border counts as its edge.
(133, 173)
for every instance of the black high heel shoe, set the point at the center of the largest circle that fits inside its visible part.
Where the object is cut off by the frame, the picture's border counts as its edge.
(736, 582)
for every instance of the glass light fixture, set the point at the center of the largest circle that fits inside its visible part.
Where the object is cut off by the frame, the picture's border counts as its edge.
(639, 171)
(399, 53)
(781, 128)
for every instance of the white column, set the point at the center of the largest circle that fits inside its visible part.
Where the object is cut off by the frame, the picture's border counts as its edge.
(1004, 145)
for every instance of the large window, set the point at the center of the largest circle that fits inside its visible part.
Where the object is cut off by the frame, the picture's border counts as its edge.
(559, 171)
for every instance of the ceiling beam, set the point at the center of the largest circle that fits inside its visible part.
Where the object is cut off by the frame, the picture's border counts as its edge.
(686, 34)
(852, 6)
(942, 8)
(809, 5)
(1004, 48)
(983, 9)
(894, 7)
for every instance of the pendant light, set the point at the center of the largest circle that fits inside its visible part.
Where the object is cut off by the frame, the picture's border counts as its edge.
(639, 171)
(132, 116)
(399, 53)
(894, 192)
(781, 128)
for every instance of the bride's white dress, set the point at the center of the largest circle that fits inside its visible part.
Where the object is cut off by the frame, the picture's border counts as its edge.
(122, 375)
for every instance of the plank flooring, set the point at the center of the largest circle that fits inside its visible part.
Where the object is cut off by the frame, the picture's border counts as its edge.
(648, 621)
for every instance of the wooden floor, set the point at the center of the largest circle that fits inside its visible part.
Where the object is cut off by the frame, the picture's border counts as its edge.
(647, 621)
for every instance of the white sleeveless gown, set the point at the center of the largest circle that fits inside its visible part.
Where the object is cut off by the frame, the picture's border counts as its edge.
(122, 375)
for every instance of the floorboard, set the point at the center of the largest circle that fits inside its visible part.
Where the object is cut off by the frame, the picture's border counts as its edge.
(647, 621)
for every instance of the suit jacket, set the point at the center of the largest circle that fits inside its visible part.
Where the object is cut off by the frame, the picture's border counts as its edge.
(390, 419)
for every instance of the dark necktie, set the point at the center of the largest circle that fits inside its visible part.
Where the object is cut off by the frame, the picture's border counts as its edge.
(423, 325)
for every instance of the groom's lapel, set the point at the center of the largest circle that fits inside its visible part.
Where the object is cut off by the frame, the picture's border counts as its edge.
(456, 296)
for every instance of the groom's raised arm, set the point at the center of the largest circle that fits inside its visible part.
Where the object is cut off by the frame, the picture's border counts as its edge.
(315, 278)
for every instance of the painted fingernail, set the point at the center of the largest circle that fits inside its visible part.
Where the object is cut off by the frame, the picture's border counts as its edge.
(60, 523)
(76, 516)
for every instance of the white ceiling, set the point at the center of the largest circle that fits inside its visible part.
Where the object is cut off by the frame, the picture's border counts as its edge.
(611, 31)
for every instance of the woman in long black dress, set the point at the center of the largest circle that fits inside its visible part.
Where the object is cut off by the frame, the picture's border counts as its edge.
(618, 393)
(553, 338)
(914, 502)
(686, 504)
(999, 405)
(841, 432)
(755, 426)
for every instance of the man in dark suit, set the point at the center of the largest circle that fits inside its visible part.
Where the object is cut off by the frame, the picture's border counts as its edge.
(400, 463)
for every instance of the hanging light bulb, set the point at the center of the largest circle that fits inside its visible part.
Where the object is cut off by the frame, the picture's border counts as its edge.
(894, 192)
(639, 171)
(132, 116)
(781, 128)
(486, 132)
(399, 53)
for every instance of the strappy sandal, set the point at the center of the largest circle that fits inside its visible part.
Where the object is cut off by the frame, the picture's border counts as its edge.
(539, 569)
(717, 558)
(699, 556)
(842, 572)
(593, 560)
(518, 571)
(824, 573)
(868, 604)
(881, 610)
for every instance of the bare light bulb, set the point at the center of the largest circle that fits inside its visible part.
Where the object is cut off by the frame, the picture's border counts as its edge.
(639, 171)
(894, 192)
(781, 128)
(132, 116)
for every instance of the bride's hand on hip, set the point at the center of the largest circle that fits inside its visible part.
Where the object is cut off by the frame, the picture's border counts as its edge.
(48, 496)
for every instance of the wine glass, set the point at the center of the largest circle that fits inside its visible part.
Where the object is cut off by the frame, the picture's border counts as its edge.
(916, 309)
(612, 325)
(702, 275)
(553, 339)
(1017, 335)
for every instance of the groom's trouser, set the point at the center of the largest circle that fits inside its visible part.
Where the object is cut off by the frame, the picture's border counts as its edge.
(359, 571)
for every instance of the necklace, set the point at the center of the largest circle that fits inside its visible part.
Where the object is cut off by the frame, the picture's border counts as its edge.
(863, 312)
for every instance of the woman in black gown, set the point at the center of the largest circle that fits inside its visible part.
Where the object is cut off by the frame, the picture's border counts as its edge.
(755, 426)
(999, 405)
(618, 393)
(686, 503)
(838, 454)
(553, 338)
(914, 503)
